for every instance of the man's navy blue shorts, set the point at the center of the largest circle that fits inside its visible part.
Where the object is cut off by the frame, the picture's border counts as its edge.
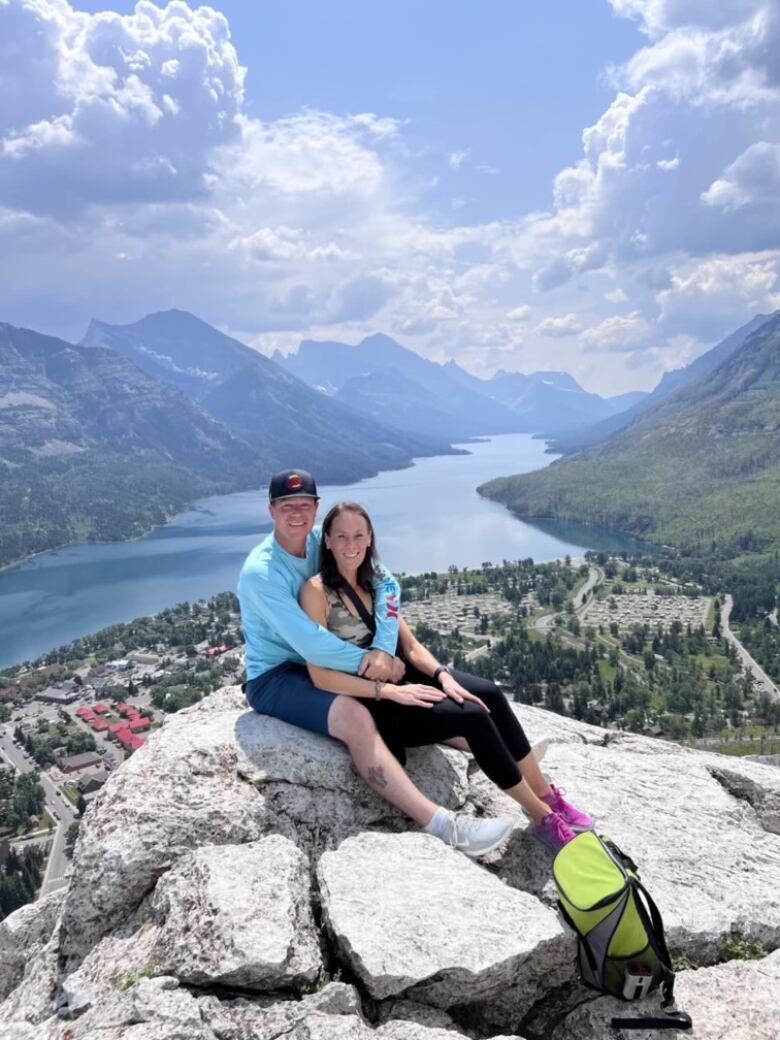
(287, 693)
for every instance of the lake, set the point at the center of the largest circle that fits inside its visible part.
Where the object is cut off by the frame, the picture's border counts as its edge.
(427, 517)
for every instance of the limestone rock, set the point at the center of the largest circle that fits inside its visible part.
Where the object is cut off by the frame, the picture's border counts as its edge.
(218, 775)
(230, 915)
(239, 915)
(179, 791)
(32, 1000)
(735, 1001)
(267, 1018)
(411, 916)
(23, 934)
(311, 788)
(703, 854)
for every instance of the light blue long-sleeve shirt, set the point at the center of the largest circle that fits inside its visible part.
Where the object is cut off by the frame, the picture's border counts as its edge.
(276, 629)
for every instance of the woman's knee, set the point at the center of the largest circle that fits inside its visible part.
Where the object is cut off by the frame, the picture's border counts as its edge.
(350, 720)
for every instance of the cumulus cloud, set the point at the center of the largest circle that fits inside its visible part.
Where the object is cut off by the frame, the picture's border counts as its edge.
(719, 293)
(619, 332)
(752, 179)
(521, 313)
(566, 325)
(135, 103)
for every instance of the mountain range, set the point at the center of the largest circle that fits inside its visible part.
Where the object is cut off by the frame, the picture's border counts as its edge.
(260, 402)
(699, 469)
(379, 376)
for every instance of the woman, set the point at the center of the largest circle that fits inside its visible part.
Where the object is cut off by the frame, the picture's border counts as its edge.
(433, 703)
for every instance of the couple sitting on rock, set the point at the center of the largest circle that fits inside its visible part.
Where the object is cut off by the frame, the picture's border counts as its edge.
(322, 629)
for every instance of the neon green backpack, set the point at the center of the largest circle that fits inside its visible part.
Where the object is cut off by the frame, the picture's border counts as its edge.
(622, 948)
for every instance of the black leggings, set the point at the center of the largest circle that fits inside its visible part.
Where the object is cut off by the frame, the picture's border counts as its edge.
(497, 740)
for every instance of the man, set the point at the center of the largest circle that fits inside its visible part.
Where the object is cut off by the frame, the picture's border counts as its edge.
(280, 639)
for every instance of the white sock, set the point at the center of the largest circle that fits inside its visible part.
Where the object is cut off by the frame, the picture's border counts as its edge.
(438, 822)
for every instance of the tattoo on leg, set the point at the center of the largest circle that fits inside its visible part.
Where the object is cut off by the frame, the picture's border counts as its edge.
(376, 775)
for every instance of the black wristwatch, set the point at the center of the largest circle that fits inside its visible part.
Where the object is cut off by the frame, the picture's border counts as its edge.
(439, 670)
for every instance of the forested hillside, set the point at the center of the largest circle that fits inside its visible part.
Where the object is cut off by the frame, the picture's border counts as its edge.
(701, 470)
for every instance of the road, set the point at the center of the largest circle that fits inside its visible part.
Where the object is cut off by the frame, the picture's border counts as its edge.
(58, 807)
(763, 683)
(546, 623)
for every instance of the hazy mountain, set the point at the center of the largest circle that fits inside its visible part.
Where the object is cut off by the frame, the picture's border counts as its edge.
(392, 396)
(379, 372)
(554, 400)
(702, 468)
(669, 383)
(396, 370)
(91, 447)
(260, 401)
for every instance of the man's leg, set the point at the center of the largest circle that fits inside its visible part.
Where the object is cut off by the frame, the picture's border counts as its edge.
(352, 723)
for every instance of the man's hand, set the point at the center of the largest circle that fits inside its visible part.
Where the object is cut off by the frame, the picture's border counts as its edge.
(399, 670)
(376, 664)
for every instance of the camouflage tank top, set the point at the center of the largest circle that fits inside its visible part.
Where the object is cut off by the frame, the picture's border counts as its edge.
(343, 624)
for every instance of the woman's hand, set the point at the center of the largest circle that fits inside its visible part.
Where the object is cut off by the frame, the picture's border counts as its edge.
(458, 693)
(413, 695)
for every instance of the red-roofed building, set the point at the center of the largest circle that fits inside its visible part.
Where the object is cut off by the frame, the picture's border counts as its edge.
(125, 738)
(100, 709)
(99, 725)
(136, 742)
(122, 707)
(115, 728)
(86, 714)
(136, 725)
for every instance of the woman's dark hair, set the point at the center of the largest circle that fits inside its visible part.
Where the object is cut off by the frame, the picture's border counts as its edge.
(367, 570)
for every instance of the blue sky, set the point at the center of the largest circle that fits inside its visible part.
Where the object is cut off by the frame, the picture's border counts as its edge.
(586, 186)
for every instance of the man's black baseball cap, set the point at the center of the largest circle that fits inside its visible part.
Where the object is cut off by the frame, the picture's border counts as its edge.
(292, 483)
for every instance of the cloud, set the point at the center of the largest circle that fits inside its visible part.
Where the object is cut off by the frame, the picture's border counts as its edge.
(567, 325)
(129, 110)
(752, 179)
(521, 313)
(130, 163)
(619, 332)
(719, 294)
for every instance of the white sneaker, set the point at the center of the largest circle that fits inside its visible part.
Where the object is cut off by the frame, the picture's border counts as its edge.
(475, 837)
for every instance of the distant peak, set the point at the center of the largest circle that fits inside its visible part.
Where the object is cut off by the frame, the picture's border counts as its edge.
(381, 339)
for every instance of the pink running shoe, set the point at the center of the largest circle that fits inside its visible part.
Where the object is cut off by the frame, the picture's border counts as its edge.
(554, 831)
(578, 821)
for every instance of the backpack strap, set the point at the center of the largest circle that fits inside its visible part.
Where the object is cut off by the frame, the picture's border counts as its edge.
(670, 1018)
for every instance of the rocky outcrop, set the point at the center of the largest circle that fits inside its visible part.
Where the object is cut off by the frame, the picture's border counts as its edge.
(410, 916)
(235, 867)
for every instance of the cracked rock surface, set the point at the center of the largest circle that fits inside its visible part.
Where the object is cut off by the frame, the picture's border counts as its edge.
(235, 869)
(410, 915)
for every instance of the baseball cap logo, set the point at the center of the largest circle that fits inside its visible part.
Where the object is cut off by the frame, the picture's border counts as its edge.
(294, 482)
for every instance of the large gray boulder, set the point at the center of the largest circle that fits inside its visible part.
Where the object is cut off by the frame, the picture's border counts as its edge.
(219, 774)
(411, 916)
(231, 915)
